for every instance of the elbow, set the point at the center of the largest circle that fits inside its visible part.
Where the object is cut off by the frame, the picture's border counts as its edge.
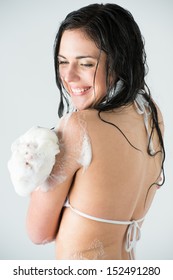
(40, 236)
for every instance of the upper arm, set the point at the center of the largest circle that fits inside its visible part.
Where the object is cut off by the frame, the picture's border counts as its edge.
(45, 207)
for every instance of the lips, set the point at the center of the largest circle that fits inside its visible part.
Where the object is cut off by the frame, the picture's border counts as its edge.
(80, 91)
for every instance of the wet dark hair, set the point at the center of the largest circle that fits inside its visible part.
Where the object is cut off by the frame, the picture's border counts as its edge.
(114, 31)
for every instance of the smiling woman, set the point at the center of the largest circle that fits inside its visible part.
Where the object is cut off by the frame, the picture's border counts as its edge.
(110, 156)
(78, 60)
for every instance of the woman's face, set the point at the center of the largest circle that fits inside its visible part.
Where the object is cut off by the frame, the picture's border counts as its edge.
(79, 62)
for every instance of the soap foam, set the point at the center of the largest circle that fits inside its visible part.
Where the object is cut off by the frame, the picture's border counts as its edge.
(81, 152)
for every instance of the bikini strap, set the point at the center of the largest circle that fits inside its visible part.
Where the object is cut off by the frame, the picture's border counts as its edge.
(133, 231)
(67, 204)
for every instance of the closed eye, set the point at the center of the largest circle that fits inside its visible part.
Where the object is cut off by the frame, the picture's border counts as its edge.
(87, 64)
(62, 62)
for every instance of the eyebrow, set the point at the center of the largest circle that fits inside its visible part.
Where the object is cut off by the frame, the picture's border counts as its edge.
(80, 56)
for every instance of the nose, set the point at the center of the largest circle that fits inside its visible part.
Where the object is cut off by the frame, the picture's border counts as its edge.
(70, 74)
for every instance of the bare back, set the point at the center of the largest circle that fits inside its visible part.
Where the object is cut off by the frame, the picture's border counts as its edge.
(115, 186)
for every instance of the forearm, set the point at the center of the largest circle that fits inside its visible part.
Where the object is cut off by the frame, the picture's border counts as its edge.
(44, 212)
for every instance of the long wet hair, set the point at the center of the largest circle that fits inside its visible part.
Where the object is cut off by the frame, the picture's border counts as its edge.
(114, 31)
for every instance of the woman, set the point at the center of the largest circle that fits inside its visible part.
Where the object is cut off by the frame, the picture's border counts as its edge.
(111, 148)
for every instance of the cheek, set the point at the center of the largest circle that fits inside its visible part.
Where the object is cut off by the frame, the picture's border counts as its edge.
(61, 78)
(101, 84)
(61, 74)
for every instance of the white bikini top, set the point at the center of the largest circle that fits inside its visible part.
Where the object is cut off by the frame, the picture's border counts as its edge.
(133, 231)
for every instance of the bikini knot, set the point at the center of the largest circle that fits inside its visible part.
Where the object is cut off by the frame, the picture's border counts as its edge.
(133, 235)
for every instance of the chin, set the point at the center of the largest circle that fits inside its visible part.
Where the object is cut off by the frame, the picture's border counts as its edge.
(81, 107)
(83, 102)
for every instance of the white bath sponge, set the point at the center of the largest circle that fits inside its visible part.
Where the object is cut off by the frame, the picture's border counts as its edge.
(32, 160)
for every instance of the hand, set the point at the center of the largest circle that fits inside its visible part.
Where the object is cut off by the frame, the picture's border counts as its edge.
(32, 160)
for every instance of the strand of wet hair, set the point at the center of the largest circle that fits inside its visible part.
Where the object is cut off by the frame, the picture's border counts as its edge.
(112, 124)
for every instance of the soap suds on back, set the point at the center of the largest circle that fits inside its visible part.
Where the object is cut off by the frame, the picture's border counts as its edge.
(95, 251)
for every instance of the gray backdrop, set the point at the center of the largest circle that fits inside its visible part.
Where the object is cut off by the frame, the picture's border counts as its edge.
(29, 97)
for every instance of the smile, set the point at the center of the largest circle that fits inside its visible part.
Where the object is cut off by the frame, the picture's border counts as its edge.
(79, 91)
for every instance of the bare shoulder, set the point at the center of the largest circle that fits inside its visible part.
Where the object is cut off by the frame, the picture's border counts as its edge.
(71, 121)
(75, 122)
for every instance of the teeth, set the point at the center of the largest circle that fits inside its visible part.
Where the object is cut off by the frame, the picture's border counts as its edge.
(77, 90)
